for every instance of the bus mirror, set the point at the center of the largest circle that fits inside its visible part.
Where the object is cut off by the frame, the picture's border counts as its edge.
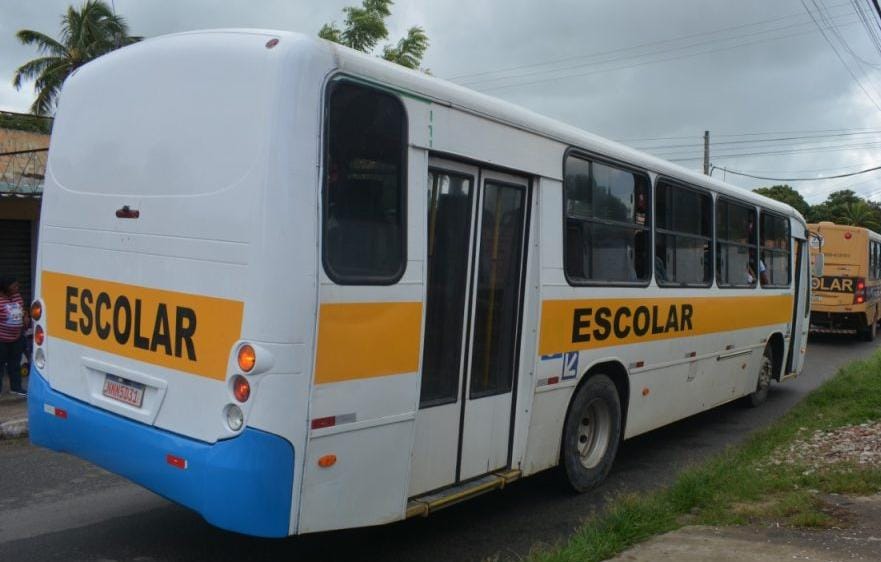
(818, 265)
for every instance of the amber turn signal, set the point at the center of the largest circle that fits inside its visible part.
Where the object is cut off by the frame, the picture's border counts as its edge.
(37, 310)
(327, 461)
(247, 358)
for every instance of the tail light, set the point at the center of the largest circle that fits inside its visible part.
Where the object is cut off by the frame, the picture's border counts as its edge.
(859, 297)
(246, 358)
(241, 388)
(37, 310)
(39, 335)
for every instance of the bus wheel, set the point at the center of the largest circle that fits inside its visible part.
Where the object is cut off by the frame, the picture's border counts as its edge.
(591, 433)
(763, 382)
(870, 331)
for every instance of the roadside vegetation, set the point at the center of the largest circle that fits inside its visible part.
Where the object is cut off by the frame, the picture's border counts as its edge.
(763, 481)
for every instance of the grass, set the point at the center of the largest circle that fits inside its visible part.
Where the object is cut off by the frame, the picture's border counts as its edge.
(741, 486)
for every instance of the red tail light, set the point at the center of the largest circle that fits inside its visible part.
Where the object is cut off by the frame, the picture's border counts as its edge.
(241, 388)
(859, 297)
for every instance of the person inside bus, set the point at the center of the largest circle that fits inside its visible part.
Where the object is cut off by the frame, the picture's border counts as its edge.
(11, 327)
(751, 275)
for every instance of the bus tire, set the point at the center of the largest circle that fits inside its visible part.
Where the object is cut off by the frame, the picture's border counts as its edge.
(870, 331)
(591, 433)
(763, 380)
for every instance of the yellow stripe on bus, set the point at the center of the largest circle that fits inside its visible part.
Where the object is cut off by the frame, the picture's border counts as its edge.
(570, 325)
(187, 332)
(364, 340)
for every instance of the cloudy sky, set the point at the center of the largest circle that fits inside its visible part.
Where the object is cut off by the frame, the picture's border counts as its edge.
(787, 88)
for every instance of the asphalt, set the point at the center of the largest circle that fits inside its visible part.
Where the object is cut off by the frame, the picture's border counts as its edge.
(56, 507)
(13, 412)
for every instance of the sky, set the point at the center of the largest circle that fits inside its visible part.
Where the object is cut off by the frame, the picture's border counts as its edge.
(787, 88)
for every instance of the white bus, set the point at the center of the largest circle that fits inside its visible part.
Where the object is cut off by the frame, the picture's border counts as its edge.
(296, 288)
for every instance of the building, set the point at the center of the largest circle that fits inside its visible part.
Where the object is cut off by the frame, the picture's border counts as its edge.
(24, 140)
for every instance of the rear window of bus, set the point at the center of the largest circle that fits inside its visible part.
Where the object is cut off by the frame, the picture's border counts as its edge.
(364, 186)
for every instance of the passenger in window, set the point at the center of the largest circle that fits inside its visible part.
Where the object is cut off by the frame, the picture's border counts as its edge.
(660, 269)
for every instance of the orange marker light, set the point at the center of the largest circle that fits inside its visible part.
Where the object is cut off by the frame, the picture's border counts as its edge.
(39, 335)
(645, 391)
(37, 310)
(247, 358)
(241, 388)
(327, 461)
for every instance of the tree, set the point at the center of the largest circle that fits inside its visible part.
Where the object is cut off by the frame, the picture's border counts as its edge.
(365, 28)
(786, 194)
(860, 213)
(86, 34)
(846, 207)
(833, 206)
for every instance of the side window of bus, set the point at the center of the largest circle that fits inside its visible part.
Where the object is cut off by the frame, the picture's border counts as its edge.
(736, 260)
(364, 186)
(775, 258)
(607, 237)
(875, 260)
(683, 236)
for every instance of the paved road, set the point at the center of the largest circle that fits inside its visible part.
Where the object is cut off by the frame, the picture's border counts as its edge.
(54, 507)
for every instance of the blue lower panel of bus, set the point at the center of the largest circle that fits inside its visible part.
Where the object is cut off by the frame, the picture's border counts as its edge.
(242, 484)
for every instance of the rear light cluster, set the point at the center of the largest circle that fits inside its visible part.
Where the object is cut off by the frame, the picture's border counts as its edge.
(246, 359)
(39, 334)
(859, 297)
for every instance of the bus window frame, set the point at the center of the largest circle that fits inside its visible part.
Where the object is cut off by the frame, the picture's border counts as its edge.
(716, 240)
(648, 227)
(788, 251)
(370, 280)
(711, 238)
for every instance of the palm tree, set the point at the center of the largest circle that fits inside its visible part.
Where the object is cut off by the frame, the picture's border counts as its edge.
(86, 34)
(859, 213)
(409, 50)
(365, 27)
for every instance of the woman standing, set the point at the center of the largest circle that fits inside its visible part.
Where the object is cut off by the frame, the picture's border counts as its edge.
(11, 324)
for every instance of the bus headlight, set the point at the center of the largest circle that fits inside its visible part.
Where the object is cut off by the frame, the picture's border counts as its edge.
(235, 419)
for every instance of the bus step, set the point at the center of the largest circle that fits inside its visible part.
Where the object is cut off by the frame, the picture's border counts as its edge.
(425, 505)
(788, 376)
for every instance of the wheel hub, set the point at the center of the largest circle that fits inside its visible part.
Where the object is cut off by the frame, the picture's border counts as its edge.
(593, 433)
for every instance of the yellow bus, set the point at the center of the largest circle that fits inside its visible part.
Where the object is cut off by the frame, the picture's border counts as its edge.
(847, 296)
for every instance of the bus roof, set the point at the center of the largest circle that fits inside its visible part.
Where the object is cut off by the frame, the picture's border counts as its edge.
(827, 225)
(422, 85)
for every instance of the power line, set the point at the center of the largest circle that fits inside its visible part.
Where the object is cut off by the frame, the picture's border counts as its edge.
(474, 77)
(776, 139)
(728, 135)
(476, 84)
(840, 58)
(781, 150)
(776, 152)
(640, 64)
(748, 175)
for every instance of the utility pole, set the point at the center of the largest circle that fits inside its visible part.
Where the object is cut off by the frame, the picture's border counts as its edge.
(706, 153)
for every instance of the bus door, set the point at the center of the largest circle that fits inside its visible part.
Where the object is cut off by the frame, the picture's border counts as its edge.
(801, 308)
(476, 249)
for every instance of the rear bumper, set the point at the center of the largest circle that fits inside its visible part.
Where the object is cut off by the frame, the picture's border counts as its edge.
(242, 484)
(834, 322)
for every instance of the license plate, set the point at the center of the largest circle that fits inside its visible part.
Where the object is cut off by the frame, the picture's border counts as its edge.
(124, 390)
